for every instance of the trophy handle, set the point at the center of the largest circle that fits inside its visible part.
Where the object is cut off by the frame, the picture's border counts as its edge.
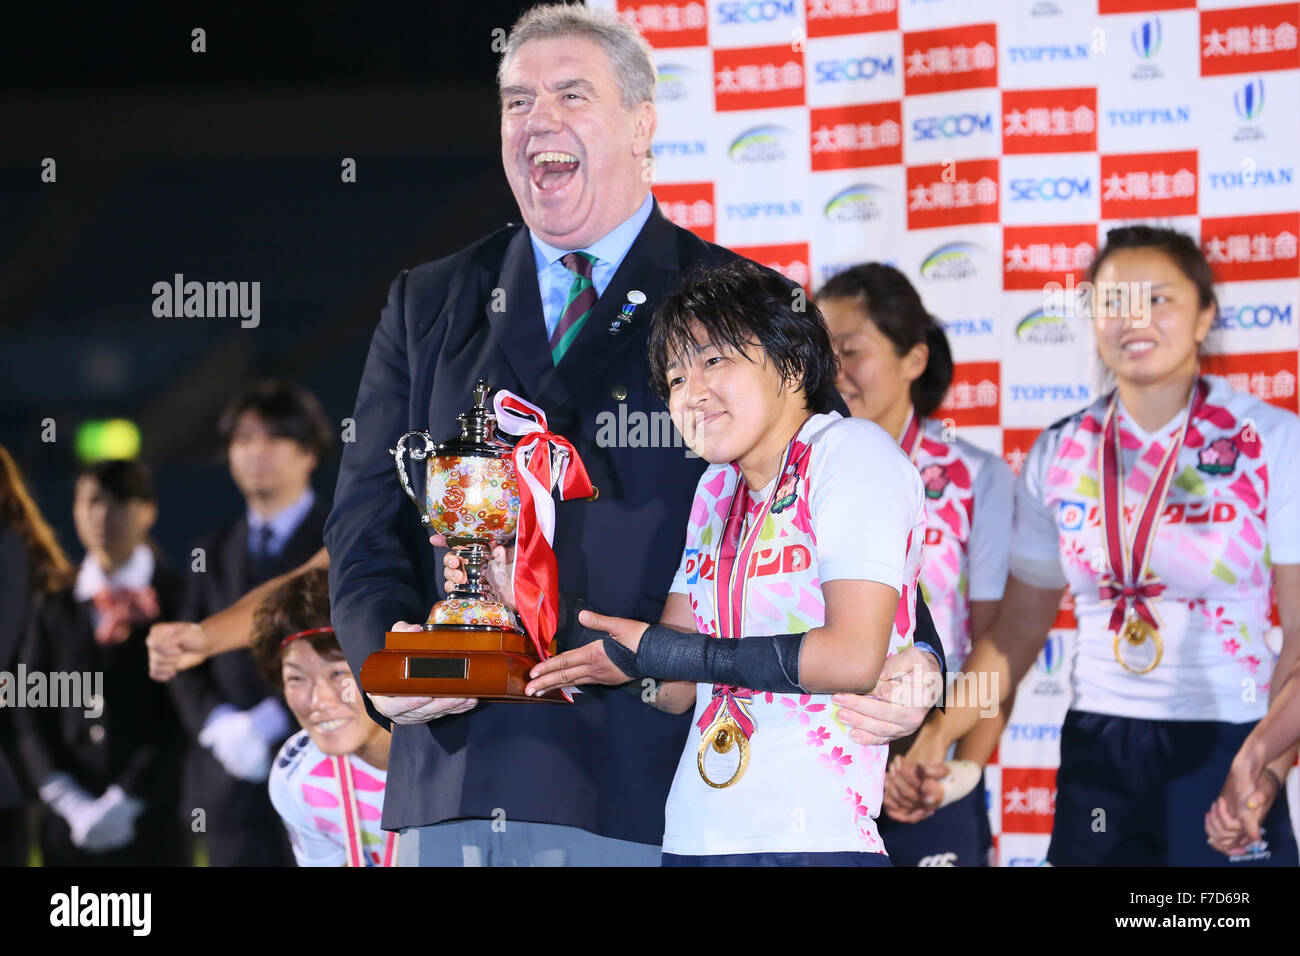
(417, 454)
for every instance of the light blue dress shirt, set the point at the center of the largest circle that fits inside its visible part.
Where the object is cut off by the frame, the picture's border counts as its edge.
(554, 280)
(282, 524)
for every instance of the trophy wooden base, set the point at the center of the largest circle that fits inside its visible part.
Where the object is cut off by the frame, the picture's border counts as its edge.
(486, 663)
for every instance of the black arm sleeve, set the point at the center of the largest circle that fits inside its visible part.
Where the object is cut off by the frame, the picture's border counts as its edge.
(926, 634)
(760, 663)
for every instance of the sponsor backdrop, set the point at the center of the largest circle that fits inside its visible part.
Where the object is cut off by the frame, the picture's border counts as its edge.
(985, 149)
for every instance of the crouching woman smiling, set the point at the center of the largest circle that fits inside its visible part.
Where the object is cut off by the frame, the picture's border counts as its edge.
(327, 782)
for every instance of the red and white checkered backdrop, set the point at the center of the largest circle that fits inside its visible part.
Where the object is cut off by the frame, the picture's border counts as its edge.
(983, 149)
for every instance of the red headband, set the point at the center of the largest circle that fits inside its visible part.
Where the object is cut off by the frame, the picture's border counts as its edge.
(307, 633)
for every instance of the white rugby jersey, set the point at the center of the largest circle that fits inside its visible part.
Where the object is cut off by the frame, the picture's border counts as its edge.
(1233, 510)
(968, 506)
(855, 512)
(309, 796)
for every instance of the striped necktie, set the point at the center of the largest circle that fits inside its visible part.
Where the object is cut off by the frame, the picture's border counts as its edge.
(582, 298)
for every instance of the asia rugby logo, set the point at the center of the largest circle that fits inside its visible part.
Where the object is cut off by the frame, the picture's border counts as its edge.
(759, 144)
(861, 202)
(955, 260)
(1042, 327)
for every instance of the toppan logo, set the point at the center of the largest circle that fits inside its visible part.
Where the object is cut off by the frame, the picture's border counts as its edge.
(1248, 101)
(1155, 116)
(1052, 53)
(1035, 732)
(1051, 393)
(956, 260)
(977, 326)
(685, 147)
(1252, 178)
(1146, 38)
(861, 202)
(673, 86)
(763, 210)
(760, 144)
(1044, 328)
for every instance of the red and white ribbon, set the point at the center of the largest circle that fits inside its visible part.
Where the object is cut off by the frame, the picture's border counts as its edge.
(544, 461)
(354, 842)
(1127, 581)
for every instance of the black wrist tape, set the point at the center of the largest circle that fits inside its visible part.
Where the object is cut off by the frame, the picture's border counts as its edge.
(571, 633)
(621, 657)
(758, 663)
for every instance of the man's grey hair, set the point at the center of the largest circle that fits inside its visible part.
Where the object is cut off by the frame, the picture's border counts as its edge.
(628, 52)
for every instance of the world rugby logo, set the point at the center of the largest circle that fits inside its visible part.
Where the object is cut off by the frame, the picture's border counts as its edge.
(1052, 656)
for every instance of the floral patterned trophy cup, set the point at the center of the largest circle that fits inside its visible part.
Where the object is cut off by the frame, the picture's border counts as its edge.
(473, 645)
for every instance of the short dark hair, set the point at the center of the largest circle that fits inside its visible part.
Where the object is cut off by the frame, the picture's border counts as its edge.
(1181, 249)
(124, 480)
(301, 603)
(739, 304)
(288, 410)
(893, 305)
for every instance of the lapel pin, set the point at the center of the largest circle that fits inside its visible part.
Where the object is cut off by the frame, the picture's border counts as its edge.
(634, 298)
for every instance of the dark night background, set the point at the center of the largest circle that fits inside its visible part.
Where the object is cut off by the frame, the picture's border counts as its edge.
(223, 166)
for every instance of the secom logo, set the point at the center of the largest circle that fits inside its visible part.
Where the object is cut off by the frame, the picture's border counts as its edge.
(1049, 188)
(756, 11)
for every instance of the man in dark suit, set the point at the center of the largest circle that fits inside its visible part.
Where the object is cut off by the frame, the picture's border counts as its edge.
(534, 309)
(274, 435)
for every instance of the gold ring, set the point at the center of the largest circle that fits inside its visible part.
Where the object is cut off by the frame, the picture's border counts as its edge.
(721, 736)
(1136, 632)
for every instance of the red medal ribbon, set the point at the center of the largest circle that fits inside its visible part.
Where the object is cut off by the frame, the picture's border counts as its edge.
(912, 435)
(354, 844)
(543, 461)
(1128, 583)
(731, 577)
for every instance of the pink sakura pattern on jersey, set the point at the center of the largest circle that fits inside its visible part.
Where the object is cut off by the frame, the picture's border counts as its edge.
(950, 509)
(1209, 551)
(801, 707)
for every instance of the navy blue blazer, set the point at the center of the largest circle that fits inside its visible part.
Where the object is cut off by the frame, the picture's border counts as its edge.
(605, 763)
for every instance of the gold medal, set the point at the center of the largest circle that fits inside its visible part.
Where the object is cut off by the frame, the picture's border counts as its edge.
(1136, 633)
(1128, 582)
(723, 734)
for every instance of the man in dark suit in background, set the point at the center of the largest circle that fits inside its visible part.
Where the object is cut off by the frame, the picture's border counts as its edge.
(536, 310)
(274, 435)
